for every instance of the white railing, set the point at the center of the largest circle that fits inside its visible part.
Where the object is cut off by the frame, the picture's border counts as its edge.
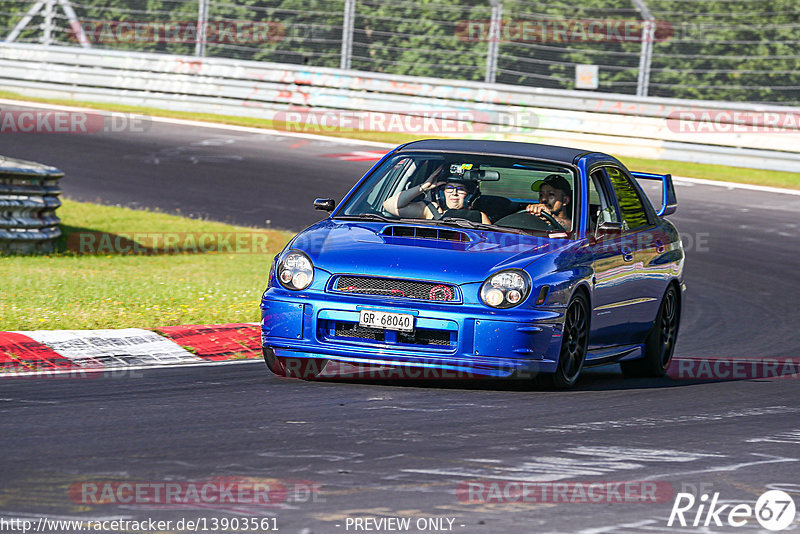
(618, 124)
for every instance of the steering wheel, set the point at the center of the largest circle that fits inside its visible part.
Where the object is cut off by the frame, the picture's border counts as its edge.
(551, 220)
(515, 217)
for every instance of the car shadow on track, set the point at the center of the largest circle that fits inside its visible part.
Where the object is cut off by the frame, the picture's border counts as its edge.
(606, 378)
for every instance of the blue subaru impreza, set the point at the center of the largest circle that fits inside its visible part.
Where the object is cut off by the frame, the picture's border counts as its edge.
(491, 258)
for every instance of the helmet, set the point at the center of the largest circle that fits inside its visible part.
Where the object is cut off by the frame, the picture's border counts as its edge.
(472, 187)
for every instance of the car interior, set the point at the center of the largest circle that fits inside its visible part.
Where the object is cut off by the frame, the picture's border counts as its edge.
(503, 197)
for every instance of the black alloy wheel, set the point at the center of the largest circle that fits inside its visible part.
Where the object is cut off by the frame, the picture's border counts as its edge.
(660, 344)
(574, 343)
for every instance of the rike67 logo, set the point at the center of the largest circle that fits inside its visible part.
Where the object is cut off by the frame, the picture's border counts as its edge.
(774, 510)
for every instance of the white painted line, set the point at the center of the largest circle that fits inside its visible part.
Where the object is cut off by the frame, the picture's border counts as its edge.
(358, 155)
(232, 127)
(203, 124)
(572, 463)
(792, 436)
(725, 468)
(46, 373)
(735, 185)
(661, 421)
(639, 455)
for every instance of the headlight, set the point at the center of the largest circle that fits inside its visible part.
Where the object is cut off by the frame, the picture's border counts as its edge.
(295, 271)
(505, 289)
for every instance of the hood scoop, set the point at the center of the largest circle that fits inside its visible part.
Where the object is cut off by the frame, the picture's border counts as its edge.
(426, 232)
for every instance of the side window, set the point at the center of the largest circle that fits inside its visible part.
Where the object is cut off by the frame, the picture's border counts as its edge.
(601, 208)
(633, 211)
(381, 183)
(391, 181)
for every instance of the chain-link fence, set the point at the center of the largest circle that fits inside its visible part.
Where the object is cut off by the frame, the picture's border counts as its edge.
(732, 50)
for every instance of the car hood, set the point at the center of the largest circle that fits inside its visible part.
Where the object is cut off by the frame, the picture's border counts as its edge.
(370, 248)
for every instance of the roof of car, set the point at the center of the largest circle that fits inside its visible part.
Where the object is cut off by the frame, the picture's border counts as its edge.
(505, 148)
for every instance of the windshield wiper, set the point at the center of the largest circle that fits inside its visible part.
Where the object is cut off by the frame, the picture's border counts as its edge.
(466, 223)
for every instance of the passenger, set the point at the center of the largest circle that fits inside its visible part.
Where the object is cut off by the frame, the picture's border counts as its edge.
(452, 201)
(555, 197)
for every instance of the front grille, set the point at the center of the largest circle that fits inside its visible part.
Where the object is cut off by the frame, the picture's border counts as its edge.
(425, 337)
(420, 336)
(388, 287)
(357, 331)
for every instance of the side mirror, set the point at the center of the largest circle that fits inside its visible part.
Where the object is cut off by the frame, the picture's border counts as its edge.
(324, 204)
(669, 209)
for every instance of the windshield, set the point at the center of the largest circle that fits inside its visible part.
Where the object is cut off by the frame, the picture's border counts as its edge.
(492, 192)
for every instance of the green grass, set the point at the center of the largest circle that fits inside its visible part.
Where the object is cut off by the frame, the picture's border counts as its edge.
(69, 290)
(678, 168)
(740, 175)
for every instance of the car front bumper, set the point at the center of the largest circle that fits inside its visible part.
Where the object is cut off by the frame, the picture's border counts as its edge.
(466, 338)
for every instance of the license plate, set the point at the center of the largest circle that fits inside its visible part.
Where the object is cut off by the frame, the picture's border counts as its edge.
(389, 321)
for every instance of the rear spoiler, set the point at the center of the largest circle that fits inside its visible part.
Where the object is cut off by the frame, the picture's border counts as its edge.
(669, 202)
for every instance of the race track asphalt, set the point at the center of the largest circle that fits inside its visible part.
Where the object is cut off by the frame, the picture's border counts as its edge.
(403, 449)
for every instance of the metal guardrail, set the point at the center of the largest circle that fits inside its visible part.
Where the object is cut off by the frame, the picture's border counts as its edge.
(28, 200)
(687, 49)
(619, 124)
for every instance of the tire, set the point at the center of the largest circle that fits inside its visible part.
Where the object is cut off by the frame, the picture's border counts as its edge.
(305, 368)
(660, 343)
(574, 343)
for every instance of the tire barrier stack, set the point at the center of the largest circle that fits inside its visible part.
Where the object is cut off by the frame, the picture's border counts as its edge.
(28, 200)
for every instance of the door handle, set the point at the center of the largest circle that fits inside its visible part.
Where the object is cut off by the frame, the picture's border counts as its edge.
(627, 253)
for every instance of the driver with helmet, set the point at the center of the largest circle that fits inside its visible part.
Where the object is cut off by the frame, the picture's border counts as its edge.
(452, 200)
